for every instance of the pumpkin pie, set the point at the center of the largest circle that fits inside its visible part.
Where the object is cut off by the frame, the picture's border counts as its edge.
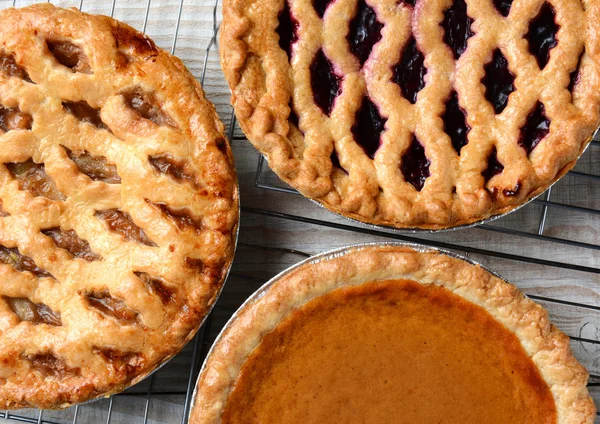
(391, 334)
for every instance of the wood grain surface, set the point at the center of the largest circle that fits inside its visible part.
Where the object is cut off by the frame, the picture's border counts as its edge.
(266, 239)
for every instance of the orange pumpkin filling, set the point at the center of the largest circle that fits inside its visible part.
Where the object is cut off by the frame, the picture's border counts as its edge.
(390, 352)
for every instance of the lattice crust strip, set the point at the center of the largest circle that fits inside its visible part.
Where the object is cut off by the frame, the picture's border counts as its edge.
(432, 114)
(118, 206)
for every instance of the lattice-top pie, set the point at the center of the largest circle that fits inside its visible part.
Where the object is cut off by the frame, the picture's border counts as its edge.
(118, 210)
(389, 334)
(415, 113)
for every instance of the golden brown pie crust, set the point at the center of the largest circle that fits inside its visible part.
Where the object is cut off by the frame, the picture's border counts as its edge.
(264, 84)
(322, 309)
(119, 206)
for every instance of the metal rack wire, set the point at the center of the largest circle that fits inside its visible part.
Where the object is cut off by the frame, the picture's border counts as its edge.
(145, 393)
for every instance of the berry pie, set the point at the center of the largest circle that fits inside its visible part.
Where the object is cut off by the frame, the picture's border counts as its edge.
(415, 113)
(391, 334)
(118, 206)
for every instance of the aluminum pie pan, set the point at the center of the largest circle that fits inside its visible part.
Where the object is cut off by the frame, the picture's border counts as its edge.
(321, 257)
(414, 230)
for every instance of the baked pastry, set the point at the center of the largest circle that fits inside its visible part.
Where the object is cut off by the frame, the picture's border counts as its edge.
(390, 333)
(412, 113)
(119, 206)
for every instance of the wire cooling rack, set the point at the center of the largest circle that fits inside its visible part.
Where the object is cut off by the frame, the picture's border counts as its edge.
(550, 248)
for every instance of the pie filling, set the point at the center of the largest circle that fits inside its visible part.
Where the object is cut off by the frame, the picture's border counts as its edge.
(365, 31)
(390, 352)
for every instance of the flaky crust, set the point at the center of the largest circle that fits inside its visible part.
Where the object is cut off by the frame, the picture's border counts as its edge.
(547, 346)
(264, 85)
(188, 209)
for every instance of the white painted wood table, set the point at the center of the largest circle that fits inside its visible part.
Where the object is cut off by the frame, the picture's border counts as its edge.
(280, 228)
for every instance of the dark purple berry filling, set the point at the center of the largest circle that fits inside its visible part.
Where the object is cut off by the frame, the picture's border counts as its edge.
(503, 6)
(542, 34)
(415, 165)
(457, 27)
(321, 6)
(287, 29)
(574, 77)
(409, 2)
(536, 128)
(324, 81)
(498, 81)
(293, 118)
(365, 32)
(335, 161)
(409, 74)
(368, 126)
(455, 123)
(494, 167)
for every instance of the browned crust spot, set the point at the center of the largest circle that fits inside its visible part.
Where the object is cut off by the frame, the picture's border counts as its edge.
(49, 365)
(127, 39)
(128, 364)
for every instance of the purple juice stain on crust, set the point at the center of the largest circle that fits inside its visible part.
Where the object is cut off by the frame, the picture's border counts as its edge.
(536, 128)
(457, 27)
(410, 72)
(368, 126)
(324, 81)
(415, 165)
(574, 76)
(503, 6)
(498, 81)
(365, 32)
(321, 6)
(494, 166)
(542, 34)
(455, 123)
(287, 30)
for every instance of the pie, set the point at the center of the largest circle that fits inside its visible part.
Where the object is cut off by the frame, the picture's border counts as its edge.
(413, 113)
(119, 206)
(391, 333)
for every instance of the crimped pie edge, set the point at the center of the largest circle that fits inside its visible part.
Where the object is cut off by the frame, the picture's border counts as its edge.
(548, 347)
